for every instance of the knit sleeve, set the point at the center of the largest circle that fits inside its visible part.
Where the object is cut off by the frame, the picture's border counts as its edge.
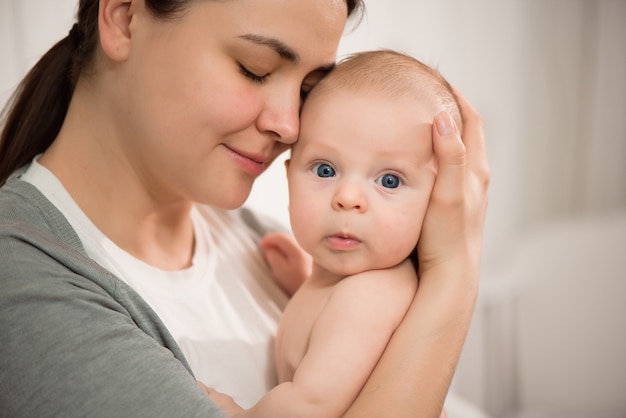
(75, 341)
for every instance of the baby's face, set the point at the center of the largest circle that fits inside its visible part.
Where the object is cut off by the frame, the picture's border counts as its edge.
(360, 179)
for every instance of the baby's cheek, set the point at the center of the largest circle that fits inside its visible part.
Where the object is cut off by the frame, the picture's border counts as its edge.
(304, 223)
(405, 245)
(394, 240)
(408, 231)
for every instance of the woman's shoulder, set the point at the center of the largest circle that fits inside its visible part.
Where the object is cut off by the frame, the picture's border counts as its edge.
(39, 249)
(44, 269)
(26, 214)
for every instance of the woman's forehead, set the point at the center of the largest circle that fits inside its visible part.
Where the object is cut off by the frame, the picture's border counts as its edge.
(299, 24)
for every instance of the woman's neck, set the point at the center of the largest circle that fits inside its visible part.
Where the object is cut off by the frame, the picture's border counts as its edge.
(106, 187)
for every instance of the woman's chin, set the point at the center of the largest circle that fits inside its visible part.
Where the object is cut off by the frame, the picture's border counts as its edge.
(231, 201)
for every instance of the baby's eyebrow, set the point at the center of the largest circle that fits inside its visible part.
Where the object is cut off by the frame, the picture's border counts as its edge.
(282, 49)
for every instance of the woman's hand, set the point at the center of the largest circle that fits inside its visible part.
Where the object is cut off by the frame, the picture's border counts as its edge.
(453, 225)
(414, 373)
(225, 402)
(289, 263)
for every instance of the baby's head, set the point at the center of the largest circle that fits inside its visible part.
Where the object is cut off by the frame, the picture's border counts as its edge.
(361, 173)
(392, 74)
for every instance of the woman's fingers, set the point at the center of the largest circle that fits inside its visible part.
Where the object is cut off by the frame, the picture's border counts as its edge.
(455, 216)
(451, 160)
(444, 226)
(478, 174)
(225, 402)
(204, 387)
(474, 139)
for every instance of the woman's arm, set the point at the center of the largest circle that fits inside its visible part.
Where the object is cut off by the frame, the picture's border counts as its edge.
(415, 371)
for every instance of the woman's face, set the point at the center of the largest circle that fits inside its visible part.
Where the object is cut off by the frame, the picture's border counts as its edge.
(205, 102)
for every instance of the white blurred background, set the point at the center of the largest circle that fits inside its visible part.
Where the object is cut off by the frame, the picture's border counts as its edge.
(549, 78)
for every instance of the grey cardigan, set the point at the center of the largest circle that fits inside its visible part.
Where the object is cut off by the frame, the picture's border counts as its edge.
(75, 341)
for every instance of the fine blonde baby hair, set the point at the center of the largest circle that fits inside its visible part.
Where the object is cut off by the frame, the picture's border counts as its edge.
(393, 73)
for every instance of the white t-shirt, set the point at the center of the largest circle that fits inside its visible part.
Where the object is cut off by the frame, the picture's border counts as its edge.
(223, 310)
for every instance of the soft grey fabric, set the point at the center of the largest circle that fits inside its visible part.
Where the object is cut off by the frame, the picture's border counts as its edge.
(75, 341)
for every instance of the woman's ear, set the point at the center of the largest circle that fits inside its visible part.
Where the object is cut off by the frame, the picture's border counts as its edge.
(114, 25)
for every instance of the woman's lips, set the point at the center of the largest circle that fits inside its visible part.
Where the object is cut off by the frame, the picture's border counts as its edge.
(251, 164)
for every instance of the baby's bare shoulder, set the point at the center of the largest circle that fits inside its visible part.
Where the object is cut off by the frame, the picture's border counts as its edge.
(394, 287)
(401, 277)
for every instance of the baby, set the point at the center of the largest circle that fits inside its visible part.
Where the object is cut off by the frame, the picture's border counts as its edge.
(360, 179)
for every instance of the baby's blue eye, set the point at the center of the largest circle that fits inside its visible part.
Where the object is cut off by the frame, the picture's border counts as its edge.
(389, 181)
(324, 170)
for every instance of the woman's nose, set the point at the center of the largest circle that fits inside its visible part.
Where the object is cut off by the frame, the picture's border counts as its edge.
(281, 117)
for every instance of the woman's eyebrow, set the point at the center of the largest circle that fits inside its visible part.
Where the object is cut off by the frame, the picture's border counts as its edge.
(282, 49)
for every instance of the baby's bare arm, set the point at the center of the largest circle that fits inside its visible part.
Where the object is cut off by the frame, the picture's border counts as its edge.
(346, 341)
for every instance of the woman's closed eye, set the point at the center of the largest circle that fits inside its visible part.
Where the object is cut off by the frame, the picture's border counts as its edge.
(260, 79)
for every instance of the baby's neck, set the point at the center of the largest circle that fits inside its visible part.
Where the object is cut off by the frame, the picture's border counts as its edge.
(322, 277)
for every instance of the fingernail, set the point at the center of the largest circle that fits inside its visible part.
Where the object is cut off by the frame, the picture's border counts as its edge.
(445, 124)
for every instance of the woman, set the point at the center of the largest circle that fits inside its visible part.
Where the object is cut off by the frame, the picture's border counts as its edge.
(122, 264)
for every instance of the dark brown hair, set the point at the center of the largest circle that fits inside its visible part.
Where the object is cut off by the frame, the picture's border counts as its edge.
(35, 112)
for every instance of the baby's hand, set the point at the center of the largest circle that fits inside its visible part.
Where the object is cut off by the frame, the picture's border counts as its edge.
(289, 263)
(225, 402)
